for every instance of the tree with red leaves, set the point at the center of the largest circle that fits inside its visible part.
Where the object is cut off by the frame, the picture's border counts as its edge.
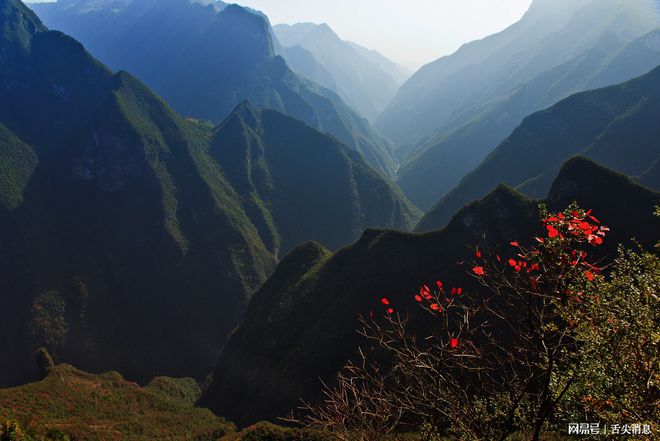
(504, 359)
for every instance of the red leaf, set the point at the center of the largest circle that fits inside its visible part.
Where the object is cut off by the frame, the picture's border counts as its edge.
(479, 270)
(418, 298)
(552, 231)
(453, 343)
(478, 254)
(595, 240)
(590, 276)
(385, 301)
(512, 262)
(515, 244)
(390, 311)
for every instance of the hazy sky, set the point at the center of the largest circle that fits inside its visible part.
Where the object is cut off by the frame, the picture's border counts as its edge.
(411, 32)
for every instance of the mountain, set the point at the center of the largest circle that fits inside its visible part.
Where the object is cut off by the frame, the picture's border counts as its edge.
(615, 126)
(364, 79)
(299, 184)
(72, 404)
(69, 402)
(300, 327)
(455, 111)
(303, 63)
(204, 59)
(132, 237)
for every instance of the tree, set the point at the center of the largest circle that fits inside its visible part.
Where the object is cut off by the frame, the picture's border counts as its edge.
(513, 357)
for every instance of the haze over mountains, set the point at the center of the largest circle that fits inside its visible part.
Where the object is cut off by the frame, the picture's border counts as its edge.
(364, 79)
(453, 112)
(195, 193)
(204, 59)
(121, 218)
(614, 126)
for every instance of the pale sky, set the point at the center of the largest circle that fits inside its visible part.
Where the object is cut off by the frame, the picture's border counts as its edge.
(410, 32)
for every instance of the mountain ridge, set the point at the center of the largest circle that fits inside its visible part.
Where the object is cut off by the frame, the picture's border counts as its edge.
(612, 125)
(300, 326)
(117, 205)
(224, 55)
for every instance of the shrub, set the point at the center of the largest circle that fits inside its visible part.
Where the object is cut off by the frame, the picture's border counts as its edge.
(10, 430)
(516, 357)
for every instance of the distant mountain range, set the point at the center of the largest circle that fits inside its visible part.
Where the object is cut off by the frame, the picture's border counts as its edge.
(615, 126)
(205, 58)
(453, 112)
(300, 327)
(132, 237)
(365, 79)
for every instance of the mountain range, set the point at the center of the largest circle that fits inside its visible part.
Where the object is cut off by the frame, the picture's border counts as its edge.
(453, 112)
(613, 125)
(364, 79)
(203, 210)
(132, 237)
(300, 327)
(205, 58)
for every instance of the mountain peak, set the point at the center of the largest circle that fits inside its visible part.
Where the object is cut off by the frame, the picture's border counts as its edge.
(246, 113)
(17, 24)
(580, 175)
(323, 30)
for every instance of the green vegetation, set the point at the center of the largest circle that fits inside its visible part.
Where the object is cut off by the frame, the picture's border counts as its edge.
(620, 344)
(300, 326)
(258, 150)
(185, 390)
(48, 321)
(17, 163)
(241, 64)
(132, 237)
(71, 404)
(264, 431)
(585, 349)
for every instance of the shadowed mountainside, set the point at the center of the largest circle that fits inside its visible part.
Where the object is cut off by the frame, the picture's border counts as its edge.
(204, 59)
(132, 237)
(301, 325)
(616, 126)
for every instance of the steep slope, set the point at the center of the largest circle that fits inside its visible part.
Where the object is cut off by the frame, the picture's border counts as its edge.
(301, 324)
(205, 59)
(616, 126)
(112, 216)
(425, 102)
(301, 61)
(457, 110)
(364, 79)
(131, 236)
(551, 33)
(437, 167)
(299, 184)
